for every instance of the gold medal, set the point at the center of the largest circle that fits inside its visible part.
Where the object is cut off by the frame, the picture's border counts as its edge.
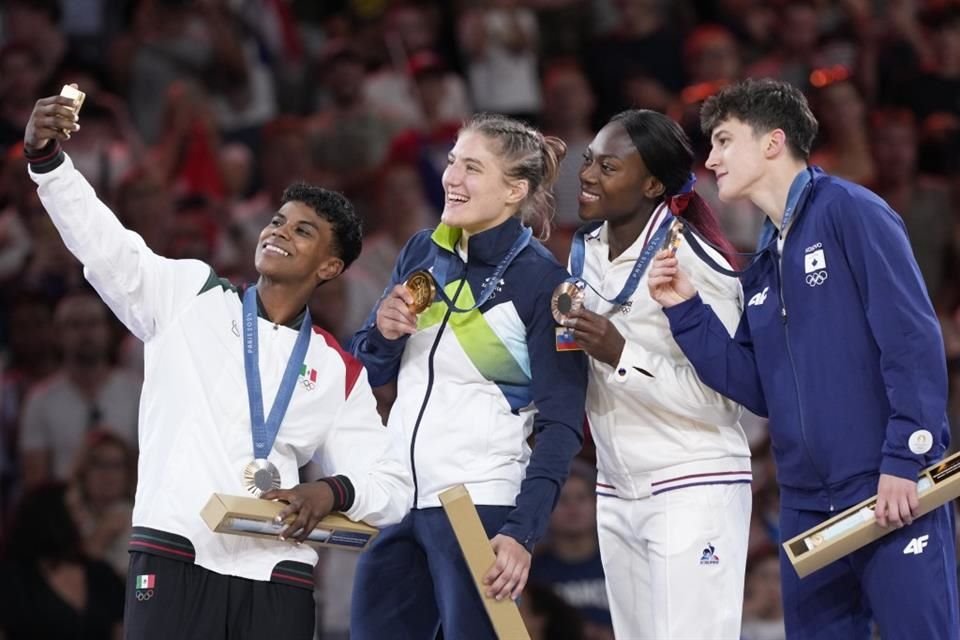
(420, 284)
(674, 236)
(567, 298)
(260, 476)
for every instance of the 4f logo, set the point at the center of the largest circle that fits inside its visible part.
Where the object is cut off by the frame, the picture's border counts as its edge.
(758, 298)
(917, 545)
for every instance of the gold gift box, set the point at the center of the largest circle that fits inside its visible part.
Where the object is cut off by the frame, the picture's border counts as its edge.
(245, 516)
(857, 527)
(478, 552)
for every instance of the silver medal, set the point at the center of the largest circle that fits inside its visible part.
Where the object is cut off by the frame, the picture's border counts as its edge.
(260, 476)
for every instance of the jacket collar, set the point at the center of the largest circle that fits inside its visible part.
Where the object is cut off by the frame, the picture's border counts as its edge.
(601, 236)
(798, 199)
(487, 246)
(294, 322)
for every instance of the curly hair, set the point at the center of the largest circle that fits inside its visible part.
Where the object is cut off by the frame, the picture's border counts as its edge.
(336, 209)
(765, 105)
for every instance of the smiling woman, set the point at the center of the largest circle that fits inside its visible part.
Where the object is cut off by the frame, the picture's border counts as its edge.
(669, 449)
(477, 372)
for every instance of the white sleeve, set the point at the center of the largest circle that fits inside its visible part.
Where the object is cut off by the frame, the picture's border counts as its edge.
(673, 382)
(371, 456)
(144, 290)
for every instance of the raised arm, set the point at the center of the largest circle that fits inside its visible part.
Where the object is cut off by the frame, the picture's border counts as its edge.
(144, 290)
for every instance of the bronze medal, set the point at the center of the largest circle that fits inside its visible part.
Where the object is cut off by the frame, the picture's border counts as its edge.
(420, 284)
(567, 298)
(674, 236)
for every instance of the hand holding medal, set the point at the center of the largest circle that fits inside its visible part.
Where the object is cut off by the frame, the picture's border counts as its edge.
(421, 287)
(567, 297)
(674, 236)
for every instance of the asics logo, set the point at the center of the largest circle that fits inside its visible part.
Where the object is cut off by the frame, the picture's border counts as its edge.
(759, 298)
(917, 545)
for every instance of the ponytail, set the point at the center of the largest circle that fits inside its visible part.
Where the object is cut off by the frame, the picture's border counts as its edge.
(539, 209)
(694, 209)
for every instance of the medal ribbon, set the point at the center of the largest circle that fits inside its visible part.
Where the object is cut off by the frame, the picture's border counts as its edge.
(444, 259)
(265, 431)
(796, 200)
(578, 252)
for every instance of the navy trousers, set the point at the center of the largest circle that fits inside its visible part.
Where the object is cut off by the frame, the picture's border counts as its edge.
(906, 581)
(413, 579)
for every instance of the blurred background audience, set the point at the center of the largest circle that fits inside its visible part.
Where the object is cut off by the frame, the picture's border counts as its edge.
(200, 112)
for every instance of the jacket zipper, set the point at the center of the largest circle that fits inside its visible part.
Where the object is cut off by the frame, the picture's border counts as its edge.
(426, 396)
(796, 379)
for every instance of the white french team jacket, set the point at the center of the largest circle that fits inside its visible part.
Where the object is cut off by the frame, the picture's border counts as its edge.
(656, 426)
(194, 422)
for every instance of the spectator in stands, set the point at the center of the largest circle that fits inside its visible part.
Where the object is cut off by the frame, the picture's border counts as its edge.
(101, 494)
(87, 393)
(50, 589)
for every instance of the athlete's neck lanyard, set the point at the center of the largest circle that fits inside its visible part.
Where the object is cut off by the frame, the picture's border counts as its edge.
(578, 253)
(444, 260)
(265, 431)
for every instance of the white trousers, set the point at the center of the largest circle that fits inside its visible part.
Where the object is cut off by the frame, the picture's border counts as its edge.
(674, 562)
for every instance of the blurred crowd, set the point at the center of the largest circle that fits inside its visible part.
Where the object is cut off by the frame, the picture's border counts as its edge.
(199, 113)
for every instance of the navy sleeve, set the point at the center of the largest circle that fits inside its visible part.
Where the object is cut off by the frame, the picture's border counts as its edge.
(559, 384)
(726, 365)
(904, 326)
(380, 356)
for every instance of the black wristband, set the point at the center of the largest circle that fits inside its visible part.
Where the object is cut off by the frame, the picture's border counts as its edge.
(343, 492)
(46, 159)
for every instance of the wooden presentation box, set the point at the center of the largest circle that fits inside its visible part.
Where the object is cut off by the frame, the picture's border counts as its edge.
(247, 516)
(856, 527)
(476, 548)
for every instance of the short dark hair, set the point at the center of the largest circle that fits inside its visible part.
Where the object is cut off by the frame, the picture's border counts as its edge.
(333, 207)
(765, 105)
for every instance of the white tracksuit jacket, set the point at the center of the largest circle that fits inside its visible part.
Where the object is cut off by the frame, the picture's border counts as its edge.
(656, 425)
(194, 423)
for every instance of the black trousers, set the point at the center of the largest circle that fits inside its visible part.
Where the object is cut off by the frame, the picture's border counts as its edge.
(168, 599)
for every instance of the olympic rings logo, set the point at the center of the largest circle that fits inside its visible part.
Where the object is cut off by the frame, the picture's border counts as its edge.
(817, 278)
(143, 595)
